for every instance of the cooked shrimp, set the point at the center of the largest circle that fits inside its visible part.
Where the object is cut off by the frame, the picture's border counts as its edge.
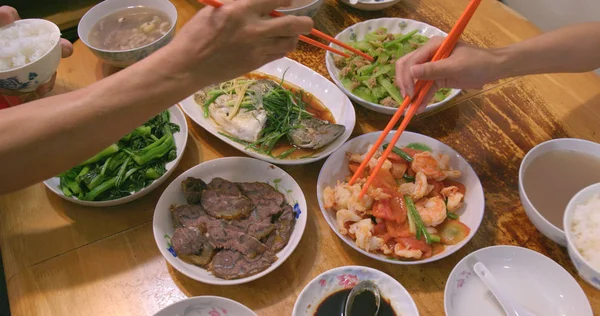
(418, 189)
(378, 194)
(364, 236)
(344, 216)
(398, 169)
(401, 251)
(432, 210)
(428, 164)
(454, 198)
(387, 165)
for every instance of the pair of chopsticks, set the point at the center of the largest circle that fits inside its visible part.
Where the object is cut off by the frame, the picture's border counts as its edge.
(421, 90)
(314, 32)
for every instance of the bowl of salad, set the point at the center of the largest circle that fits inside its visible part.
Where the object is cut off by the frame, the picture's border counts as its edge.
(372, 84)
(128, 169)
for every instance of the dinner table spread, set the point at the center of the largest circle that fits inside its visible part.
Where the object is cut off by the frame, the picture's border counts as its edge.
(61, 258)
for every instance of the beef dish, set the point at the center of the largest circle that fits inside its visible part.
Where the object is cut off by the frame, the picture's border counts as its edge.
(232, 229)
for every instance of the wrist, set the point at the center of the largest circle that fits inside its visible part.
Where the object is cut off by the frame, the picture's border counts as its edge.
(503, 63)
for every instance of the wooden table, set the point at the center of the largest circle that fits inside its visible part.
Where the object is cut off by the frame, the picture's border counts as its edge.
(64, 259)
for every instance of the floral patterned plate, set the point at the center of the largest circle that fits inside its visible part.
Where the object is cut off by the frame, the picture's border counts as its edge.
(536, 282)
(235, 169)
(347, 277)
(206, 306)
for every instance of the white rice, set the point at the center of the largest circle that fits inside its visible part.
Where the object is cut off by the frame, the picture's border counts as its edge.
(586, 230)
(24, 42)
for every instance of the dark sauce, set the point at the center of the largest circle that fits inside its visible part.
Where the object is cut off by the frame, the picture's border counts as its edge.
(364, 304)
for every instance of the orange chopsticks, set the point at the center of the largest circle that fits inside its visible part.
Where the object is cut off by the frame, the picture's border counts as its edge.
(317, 33)
(421, 90)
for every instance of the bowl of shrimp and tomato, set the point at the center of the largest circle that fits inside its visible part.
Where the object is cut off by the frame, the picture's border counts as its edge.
(425, 203)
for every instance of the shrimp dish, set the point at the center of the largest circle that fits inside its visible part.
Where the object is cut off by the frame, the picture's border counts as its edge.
(410, 211)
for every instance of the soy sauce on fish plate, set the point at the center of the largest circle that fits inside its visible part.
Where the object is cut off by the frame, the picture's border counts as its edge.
(364, 304)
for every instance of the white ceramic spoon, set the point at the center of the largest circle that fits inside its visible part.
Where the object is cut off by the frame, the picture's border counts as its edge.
(509, 305)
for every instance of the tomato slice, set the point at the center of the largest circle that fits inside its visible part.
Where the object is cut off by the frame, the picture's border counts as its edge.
(393, 157)
(396, 230)
(383, 210)
(413, 243)
(437, 188)
(398, 208)
(384, 180)
(353, 166)
(453, 231)
(461, 187)
(398, 169)
(379, 229)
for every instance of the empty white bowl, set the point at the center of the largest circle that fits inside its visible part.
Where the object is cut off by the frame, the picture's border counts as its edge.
(542, 224)
(28, 77)
(347, 277)
(585, 269)
(124, 58)
(206, 306)
(336, 169)
(534, 280)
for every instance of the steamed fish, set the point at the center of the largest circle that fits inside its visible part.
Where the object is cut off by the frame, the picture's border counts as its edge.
(260, 113)
(314, 133)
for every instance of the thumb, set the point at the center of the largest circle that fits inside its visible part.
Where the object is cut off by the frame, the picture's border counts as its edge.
(431, 71)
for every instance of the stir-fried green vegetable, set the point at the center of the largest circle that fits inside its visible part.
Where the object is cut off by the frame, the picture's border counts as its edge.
(416, 222)
(399, 152)
(128, 166)
(283, 107)
(374, 82)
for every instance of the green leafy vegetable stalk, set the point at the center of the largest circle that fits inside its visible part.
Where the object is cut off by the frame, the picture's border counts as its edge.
(125, 167)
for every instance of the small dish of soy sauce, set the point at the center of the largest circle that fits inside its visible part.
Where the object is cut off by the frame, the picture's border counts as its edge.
(364, 304)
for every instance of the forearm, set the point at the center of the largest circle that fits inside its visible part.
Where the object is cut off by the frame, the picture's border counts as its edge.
(40, 139)
(570, 49)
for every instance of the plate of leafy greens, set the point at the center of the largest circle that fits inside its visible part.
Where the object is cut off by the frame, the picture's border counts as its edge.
(130, 168)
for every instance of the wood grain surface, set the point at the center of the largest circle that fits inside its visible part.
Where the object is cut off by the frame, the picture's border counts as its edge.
(65, 259)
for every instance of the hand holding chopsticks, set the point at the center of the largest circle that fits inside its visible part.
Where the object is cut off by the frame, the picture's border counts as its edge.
(421, 90)
(317, 33)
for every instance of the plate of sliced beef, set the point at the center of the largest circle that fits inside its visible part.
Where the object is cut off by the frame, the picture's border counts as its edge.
(229, 220)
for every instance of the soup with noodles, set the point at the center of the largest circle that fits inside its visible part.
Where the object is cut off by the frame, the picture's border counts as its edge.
(129, 28)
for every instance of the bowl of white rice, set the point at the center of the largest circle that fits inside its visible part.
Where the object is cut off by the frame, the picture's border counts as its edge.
(29, 54)
(582, 228)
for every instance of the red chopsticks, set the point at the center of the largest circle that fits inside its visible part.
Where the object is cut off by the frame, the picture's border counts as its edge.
(315, 32)
(421, 89)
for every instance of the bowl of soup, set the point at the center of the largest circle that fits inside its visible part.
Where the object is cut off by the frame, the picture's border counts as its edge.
(550, 175)
(302, 8)
(122, 32)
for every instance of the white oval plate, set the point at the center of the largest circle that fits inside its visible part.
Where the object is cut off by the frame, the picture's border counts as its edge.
(534, 280)
(393, 25)
(341, 278)
(297, 74)
(336, 169)
(206, 306)
(180, 137)
(234, 169)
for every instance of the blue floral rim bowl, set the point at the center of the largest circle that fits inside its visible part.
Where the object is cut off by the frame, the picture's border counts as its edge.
(124, 58)
(28, 77)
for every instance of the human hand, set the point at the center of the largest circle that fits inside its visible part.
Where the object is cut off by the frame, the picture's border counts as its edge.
(219, 44)
(10, 97)
(468, 67)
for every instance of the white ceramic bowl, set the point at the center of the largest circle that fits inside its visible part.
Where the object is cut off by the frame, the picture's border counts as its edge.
(206, 306)
(535, 281)
(394, 25)
(336, 169)
(235, 169)
(371, 5)
(543, 225)
(585, 269)
(180, 137)
(309, 10)
(124, 58)
(310, 81)
(347, 277)
(28, 77)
